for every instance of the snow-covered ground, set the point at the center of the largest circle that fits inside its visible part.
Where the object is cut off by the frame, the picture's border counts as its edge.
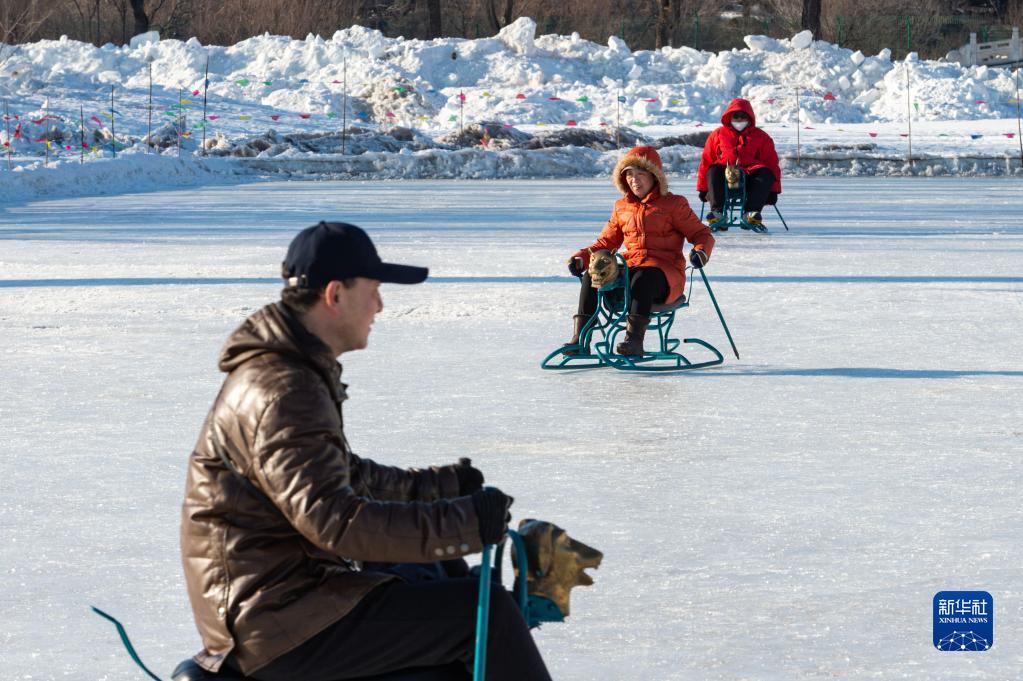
(299, 94)
(785, 516)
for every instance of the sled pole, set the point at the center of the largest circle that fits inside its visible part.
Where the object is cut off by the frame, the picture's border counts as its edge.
(126, 642)
(703, 205)
(479, 667)
(718, 309)
(781, 218)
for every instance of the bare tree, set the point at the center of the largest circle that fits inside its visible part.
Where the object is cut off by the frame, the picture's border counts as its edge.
(665, 24)
(433, 9)
(20, 19)
(812, 17)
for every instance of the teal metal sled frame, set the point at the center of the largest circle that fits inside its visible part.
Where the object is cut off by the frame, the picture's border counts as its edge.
(535, 609)
(599, 335)
(733, 214)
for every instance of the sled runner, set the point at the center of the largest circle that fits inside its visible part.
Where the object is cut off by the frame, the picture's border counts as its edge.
(597, 339)
(536, 609)
(732, 213)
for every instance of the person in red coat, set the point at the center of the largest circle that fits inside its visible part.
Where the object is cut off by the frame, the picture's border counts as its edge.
(741, 143)
(652, 224)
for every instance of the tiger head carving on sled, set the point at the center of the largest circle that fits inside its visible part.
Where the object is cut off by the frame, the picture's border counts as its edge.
(603, 268)
(557, 563)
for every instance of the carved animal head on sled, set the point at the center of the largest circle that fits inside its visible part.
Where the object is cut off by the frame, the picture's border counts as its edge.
(603, 268)
(557, 563)
(732, 176)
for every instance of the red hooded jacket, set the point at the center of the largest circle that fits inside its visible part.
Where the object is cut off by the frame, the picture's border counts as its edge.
(750, 149)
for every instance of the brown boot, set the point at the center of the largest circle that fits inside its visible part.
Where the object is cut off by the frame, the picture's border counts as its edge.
(635, 330)
(578, 322)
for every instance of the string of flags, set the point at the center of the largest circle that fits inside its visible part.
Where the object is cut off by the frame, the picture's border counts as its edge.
(180, 108)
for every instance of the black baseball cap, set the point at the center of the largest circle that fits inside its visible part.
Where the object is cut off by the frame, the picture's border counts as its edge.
(332, 251)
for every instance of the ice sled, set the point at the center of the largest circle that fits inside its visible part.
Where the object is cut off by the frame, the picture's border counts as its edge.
(732, 213)
(597, 339)
(536, 609)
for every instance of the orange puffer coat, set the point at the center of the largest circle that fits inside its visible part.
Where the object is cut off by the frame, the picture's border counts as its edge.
(654, 228)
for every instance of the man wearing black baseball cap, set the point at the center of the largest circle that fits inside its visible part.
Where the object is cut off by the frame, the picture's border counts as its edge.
(284, 528)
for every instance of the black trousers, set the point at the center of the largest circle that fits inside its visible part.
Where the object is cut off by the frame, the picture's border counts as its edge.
(647, 284)
(402, 625)
(758, 188)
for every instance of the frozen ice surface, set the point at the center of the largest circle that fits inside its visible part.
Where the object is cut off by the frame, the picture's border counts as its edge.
(786, 516)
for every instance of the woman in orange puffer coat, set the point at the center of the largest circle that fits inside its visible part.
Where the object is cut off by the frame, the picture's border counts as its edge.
(652, 224)
(739, 142)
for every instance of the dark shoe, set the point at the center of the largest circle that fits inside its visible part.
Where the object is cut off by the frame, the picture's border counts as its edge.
(188, 670)
(578, 322)
(713, 216)
(754, 218)
(635, 330)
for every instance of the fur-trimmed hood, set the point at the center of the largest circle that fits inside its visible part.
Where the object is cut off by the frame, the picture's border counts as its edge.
(644, 158)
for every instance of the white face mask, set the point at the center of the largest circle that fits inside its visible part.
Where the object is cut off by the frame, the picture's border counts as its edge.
(740, 125)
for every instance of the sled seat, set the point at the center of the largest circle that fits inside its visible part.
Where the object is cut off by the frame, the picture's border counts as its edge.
(190, 671)
(676, 304)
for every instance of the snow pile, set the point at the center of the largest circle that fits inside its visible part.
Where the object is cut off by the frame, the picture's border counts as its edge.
(272, 96)
(515, 77)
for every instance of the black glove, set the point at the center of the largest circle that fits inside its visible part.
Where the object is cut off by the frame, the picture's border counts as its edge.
(698, 258)
(492, 512)
(575, 266)
(469, 479)
(772, 198)
(703, 196)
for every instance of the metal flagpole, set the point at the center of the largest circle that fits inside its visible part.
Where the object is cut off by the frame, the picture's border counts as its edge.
(618, 114)
(344, 100)
(797, 127)
(113, 135)
(81, 120)
(909, 115)
(46, 126)
(179, 127)
(149, 136)
(1019, 128)
(205, 88)
(7, 127)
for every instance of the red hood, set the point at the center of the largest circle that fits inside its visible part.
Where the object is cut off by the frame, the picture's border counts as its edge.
(739, 105)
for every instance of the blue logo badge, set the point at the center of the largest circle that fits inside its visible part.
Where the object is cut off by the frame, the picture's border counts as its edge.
(963, 621)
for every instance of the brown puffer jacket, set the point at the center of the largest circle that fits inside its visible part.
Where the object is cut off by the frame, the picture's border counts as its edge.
(266, 573)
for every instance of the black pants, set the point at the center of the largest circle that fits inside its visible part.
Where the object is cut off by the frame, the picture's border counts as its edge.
(648, 285)
(402, 625)
(758, 188)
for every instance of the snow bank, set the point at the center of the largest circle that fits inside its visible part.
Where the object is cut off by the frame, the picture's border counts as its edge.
(414, 101)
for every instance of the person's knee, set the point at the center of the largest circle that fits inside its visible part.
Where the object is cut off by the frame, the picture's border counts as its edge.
(503, 605)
